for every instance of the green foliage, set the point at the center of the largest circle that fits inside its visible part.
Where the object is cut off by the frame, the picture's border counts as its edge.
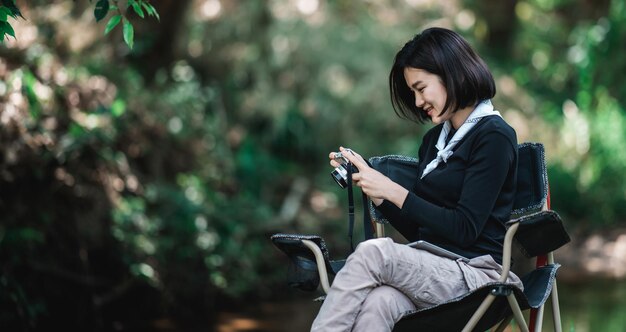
(129, 34)
(101, 10)
(4, 14)
(6, 29)
(113, 22)
(139, 188)
(10, 5)
(570, 66)
(5, 26)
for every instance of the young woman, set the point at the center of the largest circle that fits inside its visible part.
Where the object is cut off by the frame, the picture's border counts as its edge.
(461, 200)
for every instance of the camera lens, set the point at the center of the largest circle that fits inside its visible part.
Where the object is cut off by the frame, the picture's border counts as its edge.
(340, 176)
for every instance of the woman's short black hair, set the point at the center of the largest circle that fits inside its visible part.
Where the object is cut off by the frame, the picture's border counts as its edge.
(445, 53)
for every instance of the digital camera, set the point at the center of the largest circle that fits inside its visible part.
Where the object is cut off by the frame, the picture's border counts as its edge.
(340, 173)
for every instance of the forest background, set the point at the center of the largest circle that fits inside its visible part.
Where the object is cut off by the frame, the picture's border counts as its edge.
(142, 171)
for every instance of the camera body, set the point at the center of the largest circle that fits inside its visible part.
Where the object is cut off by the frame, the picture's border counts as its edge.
(340, 173)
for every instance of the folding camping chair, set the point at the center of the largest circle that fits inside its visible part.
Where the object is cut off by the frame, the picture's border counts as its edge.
(538, 230)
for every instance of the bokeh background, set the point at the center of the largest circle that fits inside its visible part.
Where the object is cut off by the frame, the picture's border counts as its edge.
(139, 188)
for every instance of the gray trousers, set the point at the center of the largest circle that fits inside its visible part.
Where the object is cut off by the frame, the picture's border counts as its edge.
(382, 281)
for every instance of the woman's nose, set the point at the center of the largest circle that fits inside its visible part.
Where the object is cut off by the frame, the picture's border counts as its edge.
(419, 101)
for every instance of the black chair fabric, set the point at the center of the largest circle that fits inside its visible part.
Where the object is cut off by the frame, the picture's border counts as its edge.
(400, 169)
(540, 233)
(453, 315)
(302, 272)
(538, 285)
(532, 179)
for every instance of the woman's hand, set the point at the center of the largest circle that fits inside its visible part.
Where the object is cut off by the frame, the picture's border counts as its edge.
(373, 183)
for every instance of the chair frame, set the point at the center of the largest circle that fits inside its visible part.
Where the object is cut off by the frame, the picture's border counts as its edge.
(536, 315)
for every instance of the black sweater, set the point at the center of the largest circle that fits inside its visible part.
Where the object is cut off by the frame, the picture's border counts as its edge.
(463, 204)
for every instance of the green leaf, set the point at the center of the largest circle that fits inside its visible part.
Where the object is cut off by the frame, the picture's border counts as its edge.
(4, 13)
(6, 29)
(10, 4)
(138, 10)
(102, 8)
(129, 33)
(150, 10)
(147, 6)
(113, 22)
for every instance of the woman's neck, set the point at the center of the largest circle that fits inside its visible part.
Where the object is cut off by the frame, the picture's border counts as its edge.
(460, 116)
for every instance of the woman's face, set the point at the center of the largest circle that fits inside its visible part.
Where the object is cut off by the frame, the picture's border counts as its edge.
(429, 91)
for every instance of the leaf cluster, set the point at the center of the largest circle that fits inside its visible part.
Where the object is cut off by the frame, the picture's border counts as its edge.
(140, 7)
(102, 8)
(7, 9)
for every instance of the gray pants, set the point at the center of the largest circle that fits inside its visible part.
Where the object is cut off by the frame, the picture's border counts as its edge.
(382, 281)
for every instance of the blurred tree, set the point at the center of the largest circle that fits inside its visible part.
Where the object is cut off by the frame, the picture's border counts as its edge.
(141, 184)
(565, 57)
(500, 22)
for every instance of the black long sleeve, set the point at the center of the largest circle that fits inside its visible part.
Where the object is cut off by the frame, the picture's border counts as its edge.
(463, 204)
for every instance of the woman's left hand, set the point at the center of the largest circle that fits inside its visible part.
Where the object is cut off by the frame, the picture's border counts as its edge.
(373, 183)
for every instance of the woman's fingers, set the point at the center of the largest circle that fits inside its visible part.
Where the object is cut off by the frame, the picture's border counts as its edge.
(333, 156)
(353, 157)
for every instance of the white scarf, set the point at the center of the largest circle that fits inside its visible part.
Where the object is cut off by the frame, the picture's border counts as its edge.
(483, 109)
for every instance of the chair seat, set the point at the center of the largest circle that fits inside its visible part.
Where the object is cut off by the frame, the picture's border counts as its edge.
(454, 314)
(538, 285)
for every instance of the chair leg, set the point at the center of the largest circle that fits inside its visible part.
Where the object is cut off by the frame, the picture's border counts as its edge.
(532, 320)
(556, 312)
(536, 315)
(517, 312)
(539, 319)
(479, 313)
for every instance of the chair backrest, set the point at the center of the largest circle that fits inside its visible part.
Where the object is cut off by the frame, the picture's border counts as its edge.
(539, 232)
(532, 179)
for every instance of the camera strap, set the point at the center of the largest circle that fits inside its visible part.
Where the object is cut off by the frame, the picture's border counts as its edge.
(367, 225)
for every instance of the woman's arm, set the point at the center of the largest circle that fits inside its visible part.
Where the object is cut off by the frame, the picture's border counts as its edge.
(492, 158)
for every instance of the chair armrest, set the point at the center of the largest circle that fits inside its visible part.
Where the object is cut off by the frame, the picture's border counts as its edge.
(540, 233)
(321, 264)
(309, 260)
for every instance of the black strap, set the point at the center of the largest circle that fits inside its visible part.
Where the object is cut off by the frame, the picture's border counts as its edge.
(350, 207)
(368, 230)
(367, 225)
